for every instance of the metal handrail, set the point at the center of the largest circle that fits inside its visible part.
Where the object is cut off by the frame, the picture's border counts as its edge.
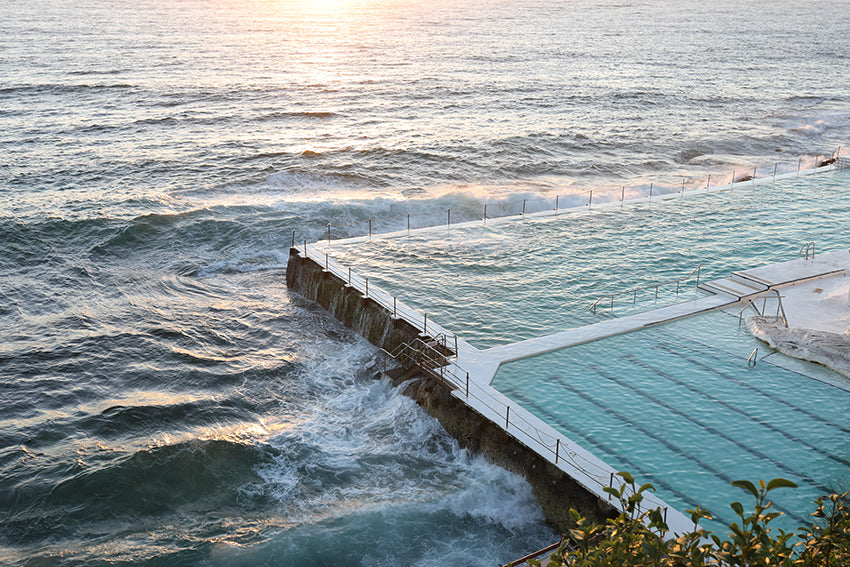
(780, 309)
(805, 249)
(753, 358)
(650, 286)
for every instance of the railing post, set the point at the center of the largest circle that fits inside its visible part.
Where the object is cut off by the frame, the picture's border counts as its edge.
(731, 183)
(408, 224)
(425, 325)
(708, 184)
(293, 238)
(774, 170)
(523, 207)
(395, 310)
(327, 265)
(622, 195)
(485, 213)
(650, 191)
(305, 247)
(449, 217)
(799, 165)
(370, 228)
(467, 384)
(329, 235)
(508, 418)
(754, 175)
(349, 276)
(556, 203)
(683, 187)
(557, 448)
(367, 286)
(590, 199)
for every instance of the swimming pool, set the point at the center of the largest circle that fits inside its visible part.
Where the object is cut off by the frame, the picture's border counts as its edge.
(501, 282)
(678, 406)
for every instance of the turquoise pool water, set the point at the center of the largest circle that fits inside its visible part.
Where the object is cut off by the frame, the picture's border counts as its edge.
(514, 280)
(678, 406)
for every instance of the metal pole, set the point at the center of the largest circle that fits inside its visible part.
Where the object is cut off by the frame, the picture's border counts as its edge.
(731, 183)
(650, 191)
(485, 213)
(327, 269)
(523, 207)
(508, 417)
(556, 203)
(799, 164)
(395, 308)
(449, 217)
(707, 185)
(622, 195)
(557, 448)
(367, 286)
(590, 199)
(408, 224)
(293, 238)
(349, 276)
(467, 384)
(305, 247)
(683, 187)
(774, 170)
(754, 175)
(425, 325)
(329, 235)
(370, 228)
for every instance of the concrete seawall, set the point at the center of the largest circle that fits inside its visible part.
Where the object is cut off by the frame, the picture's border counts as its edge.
(556, 491)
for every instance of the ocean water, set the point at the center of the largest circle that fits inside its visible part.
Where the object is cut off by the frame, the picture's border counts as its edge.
(163, 398)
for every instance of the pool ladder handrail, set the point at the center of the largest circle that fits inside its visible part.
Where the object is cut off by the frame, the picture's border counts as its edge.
(804, 250)
(780, 309)
(753, 358)
(634, 291)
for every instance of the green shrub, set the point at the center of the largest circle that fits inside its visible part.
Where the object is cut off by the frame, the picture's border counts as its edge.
(642, 538)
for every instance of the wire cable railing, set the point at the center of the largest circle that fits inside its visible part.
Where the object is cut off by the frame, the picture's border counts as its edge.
(634, 291)
(558, 204)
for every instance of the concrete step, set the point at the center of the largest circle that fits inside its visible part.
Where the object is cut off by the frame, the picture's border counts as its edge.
(734, 285)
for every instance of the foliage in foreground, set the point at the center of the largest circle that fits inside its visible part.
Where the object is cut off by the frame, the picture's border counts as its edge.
(636, 538)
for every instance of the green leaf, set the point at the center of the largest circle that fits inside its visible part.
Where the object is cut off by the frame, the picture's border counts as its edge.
(646, 486)
(780, 483)
(746, 485)
(626, 477)
(738, 507)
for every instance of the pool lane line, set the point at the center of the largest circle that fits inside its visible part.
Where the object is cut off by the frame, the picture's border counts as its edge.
(631, 465)
(753, 388)
(790, 436)
(673, 448)
(711, 429)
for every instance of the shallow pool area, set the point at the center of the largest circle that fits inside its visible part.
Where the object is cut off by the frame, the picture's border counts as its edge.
(678, 406)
